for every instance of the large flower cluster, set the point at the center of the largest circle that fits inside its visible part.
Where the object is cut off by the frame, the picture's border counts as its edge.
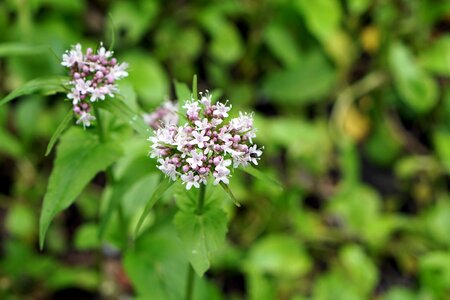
(209, 143)
(93, 77)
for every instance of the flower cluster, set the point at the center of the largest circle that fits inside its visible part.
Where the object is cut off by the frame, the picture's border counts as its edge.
(209, 143)
(93, 77)
(165, 114)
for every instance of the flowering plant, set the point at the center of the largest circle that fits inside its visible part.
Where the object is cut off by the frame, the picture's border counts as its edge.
(209, 143)
(93, 77)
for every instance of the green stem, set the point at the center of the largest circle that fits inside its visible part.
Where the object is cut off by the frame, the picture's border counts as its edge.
(110, 176)
(191, 273)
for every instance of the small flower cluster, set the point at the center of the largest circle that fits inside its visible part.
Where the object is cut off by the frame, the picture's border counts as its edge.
(93, 77)
(165, 114)
(208, 143)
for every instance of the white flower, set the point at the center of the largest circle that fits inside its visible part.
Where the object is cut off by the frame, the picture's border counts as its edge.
(85, 118)
(192, 109)
(203, 124)
(74, 95)
(205, 99)
(199, 139)
(118, 71)
(103, 53)
(195, 160)
(97, 93)
(221, 110)
(72, 57)
(191, 180)
(83, 87)
(168, 168)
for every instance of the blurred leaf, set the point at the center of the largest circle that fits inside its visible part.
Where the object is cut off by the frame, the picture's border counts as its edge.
(358, 7)
(334, 286)
(382, 137)
(441, 141)
(133, 19)
(202, 233)
(19, 49)
(416, 87)
(399, 293)
(279, 255)
(436, 58)
(435, 273)
(302, 84)
(10, 144)
(261, 176)
(226, 44)
(438, 220)
(80, 156)
(322, 17)
(282, 44)
(86, 237)
(360, 269)
(21, 221)
(45, 86)
(148, 78)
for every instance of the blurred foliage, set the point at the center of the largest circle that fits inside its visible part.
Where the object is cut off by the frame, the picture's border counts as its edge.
(352, 102)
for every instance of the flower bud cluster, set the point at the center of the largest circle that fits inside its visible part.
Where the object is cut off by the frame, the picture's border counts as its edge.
(93, 77)
(209, 143)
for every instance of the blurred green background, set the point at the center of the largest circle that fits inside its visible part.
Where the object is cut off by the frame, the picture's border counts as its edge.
(352, 105)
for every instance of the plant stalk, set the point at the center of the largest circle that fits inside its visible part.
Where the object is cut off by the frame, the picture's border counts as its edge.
(110, 176)
(191, 273)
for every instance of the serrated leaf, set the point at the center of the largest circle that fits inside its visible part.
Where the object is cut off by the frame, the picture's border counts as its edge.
(59, 130)
(47, 86)
(19, 49)
(164, 185)
(80, 156)
(201, 229)
(121, 110)
(201, 234)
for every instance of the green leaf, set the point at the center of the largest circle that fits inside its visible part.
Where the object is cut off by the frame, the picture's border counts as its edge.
(47, 86)
(227, 189)
(322, 17)
(201, 234)
(305, 83)
(121, 110)
(416, 87)
(19, 49)
(360, 268)
(80, 156)
(133, 172)
(201, 231)
(163, 186)
(10, 144)
(148, 78)
(194, 87)
(59, 130)
(436, 58)
(441, 141)
(182, 91)
(278, 255)
(86, 237)
(261, 176)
